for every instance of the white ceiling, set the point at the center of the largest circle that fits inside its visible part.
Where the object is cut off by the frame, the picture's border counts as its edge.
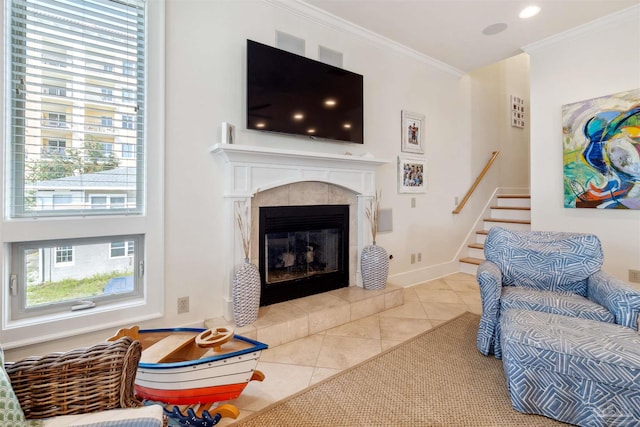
(450, 31)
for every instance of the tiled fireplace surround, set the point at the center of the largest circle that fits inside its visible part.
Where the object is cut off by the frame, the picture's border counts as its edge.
(259, 176)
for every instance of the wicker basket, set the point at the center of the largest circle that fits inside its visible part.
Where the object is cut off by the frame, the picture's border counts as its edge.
(79, 381)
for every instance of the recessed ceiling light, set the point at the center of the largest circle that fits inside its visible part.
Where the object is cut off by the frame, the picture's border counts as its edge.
(529, 11)
(347, 125)
(298, 116)
(494, 29)
(311, 130)
(260, 125)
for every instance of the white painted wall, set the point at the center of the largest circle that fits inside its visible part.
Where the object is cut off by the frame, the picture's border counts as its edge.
(589, 62)
(491, 129)
(205, 86)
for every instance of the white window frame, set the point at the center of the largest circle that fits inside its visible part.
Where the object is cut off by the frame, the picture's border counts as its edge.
(19, 307)
(109, 316)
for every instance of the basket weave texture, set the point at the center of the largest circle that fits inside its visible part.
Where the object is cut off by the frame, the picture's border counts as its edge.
(80, 381)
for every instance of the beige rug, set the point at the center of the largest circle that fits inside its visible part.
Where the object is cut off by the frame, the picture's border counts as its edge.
(436, 379)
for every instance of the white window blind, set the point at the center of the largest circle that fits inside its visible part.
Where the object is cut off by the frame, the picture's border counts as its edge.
(77, 68)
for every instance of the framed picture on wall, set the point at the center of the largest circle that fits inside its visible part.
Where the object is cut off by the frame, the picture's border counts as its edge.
(412, 174)
(412, 132)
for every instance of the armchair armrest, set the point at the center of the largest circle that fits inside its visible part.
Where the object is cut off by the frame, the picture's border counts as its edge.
(80, 381)
(490, 281)
(616, 296)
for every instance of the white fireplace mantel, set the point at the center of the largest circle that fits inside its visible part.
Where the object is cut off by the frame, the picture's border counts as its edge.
(250, 169)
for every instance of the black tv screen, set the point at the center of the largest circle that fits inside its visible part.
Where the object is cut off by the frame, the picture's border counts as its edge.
(291, 94)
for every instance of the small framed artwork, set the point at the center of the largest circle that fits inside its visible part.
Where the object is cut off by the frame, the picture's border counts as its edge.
(517, 111)
(412, 132)
(412, 174)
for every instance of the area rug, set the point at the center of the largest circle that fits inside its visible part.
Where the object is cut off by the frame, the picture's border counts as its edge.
(437, 378)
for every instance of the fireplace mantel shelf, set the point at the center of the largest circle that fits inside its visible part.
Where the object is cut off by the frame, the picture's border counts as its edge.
(235, 152)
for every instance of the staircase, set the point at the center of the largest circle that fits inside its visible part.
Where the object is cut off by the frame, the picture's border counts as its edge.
(511, 211)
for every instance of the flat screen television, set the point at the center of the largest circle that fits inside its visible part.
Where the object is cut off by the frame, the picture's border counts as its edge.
(291, 94)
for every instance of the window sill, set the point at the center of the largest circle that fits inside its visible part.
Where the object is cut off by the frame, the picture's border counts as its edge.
(63, 325)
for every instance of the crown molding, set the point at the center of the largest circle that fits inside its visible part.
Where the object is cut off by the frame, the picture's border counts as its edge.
(319, 16)
(628, 14)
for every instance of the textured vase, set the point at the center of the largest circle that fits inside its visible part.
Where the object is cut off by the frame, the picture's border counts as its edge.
(246, 294)
(375, 267)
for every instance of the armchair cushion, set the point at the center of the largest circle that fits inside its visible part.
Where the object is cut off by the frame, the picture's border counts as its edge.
(547, 260)
(146, 416)
(563, 303)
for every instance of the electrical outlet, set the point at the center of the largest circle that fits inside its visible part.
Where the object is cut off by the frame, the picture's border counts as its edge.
(634, 276)
(413, 258)
(183, 305)
(413, 202)
(455, 201)
(419, 256)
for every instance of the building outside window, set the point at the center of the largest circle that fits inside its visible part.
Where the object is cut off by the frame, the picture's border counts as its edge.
(55, 147)
(121, 249)
(106, 121)
(107, 94)
(76, 180)
(127, 121)
(58, 120)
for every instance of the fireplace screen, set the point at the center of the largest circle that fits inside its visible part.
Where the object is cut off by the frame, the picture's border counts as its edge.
(303, 251)
(294, 255)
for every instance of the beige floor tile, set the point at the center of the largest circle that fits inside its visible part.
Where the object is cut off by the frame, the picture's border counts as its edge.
(278, 313)
(320, 302)
(320, 374)
(409, 294)
(281, 380)
(438, 295)
(444, 311)
(463, 285)
(343, 352)
(433, 284)
(393, 299)
(399, 329)
(355, 293)
(387, 344)
(284, 332)
(329, 317)
(368, 327)
(303, 351)
(365, 308)
(409, 310)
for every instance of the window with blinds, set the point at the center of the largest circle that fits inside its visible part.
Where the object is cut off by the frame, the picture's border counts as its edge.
(77, 122)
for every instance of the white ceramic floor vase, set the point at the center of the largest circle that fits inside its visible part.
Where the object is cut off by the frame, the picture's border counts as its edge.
(375, 267)
(246, 294)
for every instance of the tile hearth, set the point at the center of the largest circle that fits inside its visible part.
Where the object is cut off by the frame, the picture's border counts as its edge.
(293, 365)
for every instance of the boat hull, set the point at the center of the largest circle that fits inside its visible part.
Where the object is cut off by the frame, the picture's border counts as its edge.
(207, 379)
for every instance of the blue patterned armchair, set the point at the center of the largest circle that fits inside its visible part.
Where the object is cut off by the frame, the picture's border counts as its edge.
(553, 272)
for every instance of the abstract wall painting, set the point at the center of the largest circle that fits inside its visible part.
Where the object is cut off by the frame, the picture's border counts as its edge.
(601, 157)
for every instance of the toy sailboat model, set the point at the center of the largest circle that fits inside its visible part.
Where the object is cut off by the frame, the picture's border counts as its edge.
(191, 368)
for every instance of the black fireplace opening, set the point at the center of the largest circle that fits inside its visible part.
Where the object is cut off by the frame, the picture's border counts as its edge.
(304, 250)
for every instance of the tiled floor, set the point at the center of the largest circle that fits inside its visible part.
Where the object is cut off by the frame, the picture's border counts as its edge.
(293, 366)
